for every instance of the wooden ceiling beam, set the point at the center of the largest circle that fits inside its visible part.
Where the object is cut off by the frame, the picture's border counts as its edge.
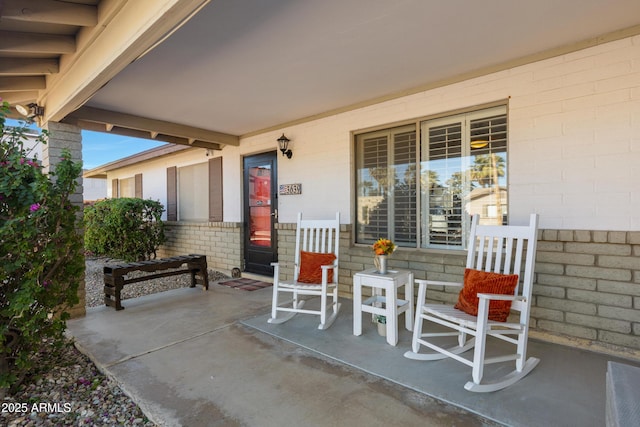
(28, 66)
(151, 125)
(29, 83)
(92, 126)
(48, 11)
(191, 143)
(22, 97)
(14, 42)
(118, 130)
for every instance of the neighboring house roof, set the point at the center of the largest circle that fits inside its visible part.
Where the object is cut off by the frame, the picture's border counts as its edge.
(163, 150)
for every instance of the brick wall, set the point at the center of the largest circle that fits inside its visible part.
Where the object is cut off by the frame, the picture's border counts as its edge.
(588, 286)
(219, 241)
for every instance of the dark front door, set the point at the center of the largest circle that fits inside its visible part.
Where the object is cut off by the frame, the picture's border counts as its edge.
(260, 213)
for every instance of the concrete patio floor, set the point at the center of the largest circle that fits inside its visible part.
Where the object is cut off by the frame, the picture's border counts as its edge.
(195, 358)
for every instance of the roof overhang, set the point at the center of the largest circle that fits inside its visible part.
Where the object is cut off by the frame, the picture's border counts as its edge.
(208, 73)
(58, 54)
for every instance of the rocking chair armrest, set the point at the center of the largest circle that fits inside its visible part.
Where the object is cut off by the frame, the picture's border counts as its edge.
(501, 297)
(280, 264)
(276, 268)
(437, 283)
(325, 268)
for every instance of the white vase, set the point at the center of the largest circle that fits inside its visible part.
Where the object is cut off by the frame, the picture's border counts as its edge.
(380, 262)
(382, 329)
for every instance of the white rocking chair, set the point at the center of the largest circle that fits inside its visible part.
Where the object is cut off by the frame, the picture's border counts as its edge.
(497, 249)
(313, 237)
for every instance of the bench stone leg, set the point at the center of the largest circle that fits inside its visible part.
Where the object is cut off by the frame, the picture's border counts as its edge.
(112, 290)
(199, 267)
(119, 306)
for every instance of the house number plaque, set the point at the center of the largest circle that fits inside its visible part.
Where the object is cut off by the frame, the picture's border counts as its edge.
(290, 189)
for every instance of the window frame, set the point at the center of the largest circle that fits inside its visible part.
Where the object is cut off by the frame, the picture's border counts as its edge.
(214, 191)
(421, 225)
(191, 207)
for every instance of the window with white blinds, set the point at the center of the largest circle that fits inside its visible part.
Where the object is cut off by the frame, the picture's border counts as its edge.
(463, 163)
(404, 188)
(386, 186)
(462, 171)
(442, 172)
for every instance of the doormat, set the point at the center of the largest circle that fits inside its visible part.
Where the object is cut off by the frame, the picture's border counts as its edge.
(245, 284)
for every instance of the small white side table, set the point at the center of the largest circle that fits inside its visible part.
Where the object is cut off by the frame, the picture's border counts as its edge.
(393, 306)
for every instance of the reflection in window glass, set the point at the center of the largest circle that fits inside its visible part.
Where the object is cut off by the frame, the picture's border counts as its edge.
(260, 205)
(463, 172)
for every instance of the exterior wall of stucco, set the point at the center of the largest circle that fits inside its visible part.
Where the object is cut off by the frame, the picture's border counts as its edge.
(574, 123)
(574, 147)
(154, 173)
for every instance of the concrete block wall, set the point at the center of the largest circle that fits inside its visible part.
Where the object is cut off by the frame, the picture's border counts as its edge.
(588, 286)
(221, 242)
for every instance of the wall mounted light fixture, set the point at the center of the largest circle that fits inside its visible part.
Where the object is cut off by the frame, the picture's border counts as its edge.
(30, 110)
(283, 144)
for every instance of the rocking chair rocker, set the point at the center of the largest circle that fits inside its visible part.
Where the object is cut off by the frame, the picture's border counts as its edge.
(492, 249)
(315, 273)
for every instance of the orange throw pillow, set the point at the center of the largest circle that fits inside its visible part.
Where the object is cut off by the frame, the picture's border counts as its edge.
(310, 271)
(481, 282)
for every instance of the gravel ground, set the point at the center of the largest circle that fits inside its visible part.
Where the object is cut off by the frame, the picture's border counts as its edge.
(66, 388)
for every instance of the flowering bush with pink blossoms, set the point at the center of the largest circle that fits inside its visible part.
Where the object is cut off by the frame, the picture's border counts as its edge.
(41, 259)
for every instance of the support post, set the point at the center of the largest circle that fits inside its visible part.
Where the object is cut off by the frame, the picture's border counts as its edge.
(63, 136)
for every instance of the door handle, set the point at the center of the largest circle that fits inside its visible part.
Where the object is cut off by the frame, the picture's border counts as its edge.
(274, 214)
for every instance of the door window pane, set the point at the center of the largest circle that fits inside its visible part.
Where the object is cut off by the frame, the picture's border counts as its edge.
(260, 205)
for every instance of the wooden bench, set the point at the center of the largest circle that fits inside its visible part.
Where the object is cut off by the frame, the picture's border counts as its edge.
(114, 275)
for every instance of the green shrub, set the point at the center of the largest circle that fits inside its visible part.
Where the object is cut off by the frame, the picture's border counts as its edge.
(125, 228)
(41, 260)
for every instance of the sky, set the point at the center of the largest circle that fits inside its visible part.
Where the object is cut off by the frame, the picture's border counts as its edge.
(100, 148)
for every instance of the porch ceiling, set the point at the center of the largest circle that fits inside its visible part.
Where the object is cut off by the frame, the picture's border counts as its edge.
(235, 68)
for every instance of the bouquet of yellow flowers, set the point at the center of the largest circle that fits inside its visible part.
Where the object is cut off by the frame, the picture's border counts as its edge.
(383, 247)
